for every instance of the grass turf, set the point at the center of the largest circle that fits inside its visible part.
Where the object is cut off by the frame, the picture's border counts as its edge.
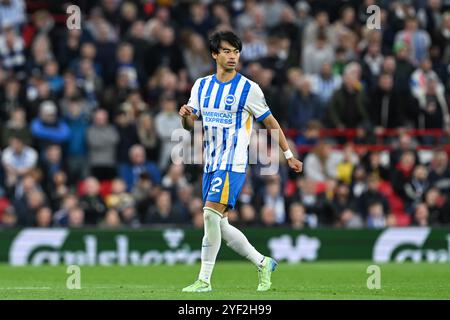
(236, 281)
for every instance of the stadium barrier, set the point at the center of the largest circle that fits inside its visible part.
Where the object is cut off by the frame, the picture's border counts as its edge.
(55, 246)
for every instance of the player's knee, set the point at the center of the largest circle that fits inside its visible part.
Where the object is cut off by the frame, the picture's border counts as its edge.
(210, 213)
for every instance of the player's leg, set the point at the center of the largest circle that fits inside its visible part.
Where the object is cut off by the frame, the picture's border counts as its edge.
(237, 241)
(212, 214)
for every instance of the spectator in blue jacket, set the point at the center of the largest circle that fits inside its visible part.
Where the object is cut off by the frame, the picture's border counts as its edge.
(138, 164)
(47, 128)
(304, 106)
(76, 149)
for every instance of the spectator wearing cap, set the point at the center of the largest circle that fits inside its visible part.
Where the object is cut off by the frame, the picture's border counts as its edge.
(47, 128)
(130, 172)
(303, 17)
(102, 141)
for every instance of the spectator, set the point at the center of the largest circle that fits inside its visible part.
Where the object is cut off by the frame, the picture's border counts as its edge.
(16, 126)
(325, 83)
(374, 165)
(402, 174)
(12, 98)
(370, 196)
(268, 217)
(196, 56)
(376, 217)
(18, 160)
(9, 218)
(417, 40)
(350, 220)
(316, 53)
(12, 50)
(148, 137)
(165, 52)
(321, 162)
(342, 201)
(164, 211)
(439, 175)
(76, 218)
(247, 217)
(421, 216)
(385, 105)
(166, 122)
(130, 172)
(297, 216)
(273, 198)
(437, 206)
(76, 148)
(91, 202)
(434, 113)
(102, 140)
(304, 106)
(128, 136)
(61, 216)
(112, 220)
(119, 198)
(12, 13)
(47, 129)
(415, 189)
(44, 217)
(348, 105)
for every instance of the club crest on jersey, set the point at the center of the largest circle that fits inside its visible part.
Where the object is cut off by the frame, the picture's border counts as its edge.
(230, 100)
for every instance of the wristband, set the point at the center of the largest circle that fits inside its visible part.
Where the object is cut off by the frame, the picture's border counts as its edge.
(288, 154)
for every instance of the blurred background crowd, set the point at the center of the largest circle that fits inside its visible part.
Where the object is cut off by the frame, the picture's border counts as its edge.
(86, 116)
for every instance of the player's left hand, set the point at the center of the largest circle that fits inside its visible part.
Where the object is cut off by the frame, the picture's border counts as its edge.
(295, 164)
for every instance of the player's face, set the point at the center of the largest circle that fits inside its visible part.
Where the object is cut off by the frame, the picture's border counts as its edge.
(228, 56)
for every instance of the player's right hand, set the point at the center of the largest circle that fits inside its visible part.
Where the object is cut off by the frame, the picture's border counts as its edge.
(185, 111)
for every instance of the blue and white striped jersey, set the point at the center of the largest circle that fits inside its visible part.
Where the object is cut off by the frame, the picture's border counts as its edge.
(227, 110)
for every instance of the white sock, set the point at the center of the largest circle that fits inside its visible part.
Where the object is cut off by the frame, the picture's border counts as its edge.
(237, 241)
(211, 243)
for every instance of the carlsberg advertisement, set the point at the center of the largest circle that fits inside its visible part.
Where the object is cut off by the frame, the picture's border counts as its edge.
(176, 245)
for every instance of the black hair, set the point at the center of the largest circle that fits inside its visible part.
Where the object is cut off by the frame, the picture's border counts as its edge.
(228, 36)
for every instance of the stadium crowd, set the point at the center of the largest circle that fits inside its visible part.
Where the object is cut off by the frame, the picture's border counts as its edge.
(86, 116)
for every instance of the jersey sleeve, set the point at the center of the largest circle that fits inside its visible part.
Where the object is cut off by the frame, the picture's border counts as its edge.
(256, 103)
(194, 100)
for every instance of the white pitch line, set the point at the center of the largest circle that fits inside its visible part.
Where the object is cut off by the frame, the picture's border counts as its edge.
(25, 288)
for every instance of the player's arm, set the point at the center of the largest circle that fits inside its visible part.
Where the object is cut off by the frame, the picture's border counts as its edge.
(272, 124)
(187, 117)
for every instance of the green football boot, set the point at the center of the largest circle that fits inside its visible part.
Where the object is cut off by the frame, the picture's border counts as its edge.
(198, 286)
(265, 273)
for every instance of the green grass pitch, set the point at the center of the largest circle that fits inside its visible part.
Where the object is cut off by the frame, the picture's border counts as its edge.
(231, 280)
